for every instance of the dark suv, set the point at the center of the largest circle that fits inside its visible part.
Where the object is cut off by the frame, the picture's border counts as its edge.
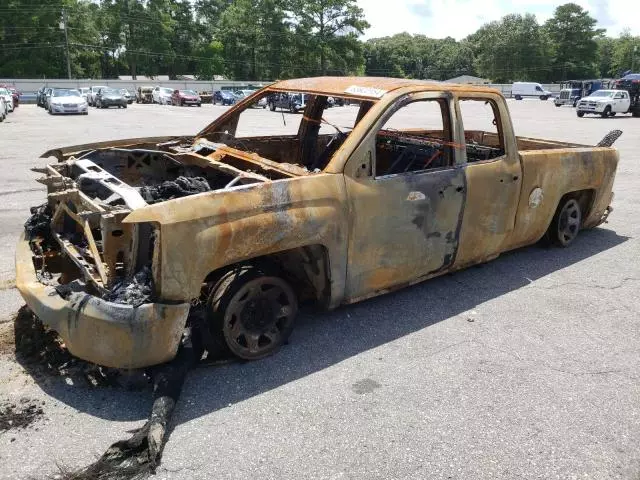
(224, 97)
(294, 102)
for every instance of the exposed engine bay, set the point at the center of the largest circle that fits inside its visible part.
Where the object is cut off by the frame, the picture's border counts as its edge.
(78, 238)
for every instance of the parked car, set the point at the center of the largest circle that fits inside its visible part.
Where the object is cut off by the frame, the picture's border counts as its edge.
(162, 95)
(14, 93)
(519, 90)
(110, 97)
(185, 98)
(261, 102)
(4, 110)
(91, 95)
(67, 100)
(605, 103)
(223, 97)
(294, 102)
(40, 96)
(127, 95)
(84, 91)
(144, 94)
(8, 98)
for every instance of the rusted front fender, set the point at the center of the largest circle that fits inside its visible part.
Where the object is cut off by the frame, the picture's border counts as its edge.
(106, 333)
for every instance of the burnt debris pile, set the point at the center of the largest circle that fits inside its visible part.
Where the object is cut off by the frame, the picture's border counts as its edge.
(137, 457)
(180, 187)
(21, 414)
(133, 291)
(39, 225)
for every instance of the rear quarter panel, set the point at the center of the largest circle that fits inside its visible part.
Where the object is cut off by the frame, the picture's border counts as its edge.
(558, 172)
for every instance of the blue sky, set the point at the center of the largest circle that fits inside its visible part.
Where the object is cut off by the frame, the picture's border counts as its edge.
(459, 18)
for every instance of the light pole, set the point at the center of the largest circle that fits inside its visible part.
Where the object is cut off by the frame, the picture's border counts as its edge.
(633, 57)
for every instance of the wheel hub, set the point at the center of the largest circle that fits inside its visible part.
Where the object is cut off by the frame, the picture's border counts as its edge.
(257, 314)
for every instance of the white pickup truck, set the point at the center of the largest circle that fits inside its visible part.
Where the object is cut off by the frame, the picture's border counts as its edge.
(605, 103)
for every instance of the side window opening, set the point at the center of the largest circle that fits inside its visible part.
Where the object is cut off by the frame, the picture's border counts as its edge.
(538, 89)
(482, 129)
(417, 137)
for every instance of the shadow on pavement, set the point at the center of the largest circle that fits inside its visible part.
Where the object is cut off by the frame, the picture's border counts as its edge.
(322, 339)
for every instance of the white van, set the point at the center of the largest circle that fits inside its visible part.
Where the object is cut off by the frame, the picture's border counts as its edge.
(519, 90)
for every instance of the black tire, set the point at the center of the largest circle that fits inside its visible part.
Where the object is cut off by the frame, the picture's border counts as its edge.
(612, 114)
(518, 97)
(606, 112)
(272, 107)
(557, 104)
(242, 316)
(575, 103)
(543, 97)
(124, 106)
(566, 223)
(580, 114)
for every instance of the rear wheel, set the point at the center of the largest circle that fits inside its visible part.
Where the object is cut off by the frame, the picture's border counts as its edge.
(557, 105)
(251, 312)
(543, 97)
(566, 223)
(518, 97)
(606, 112)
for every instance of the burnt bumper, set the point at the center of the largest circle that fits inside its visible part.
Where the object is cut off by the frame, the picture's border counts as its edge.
(106, 333)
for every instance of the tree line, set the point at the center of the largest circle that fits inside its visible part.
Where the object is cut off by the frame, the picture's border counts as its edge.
(274, 39)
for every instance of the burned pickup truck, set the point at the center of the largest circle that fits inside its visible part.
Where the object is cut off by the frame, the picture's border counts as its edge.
(258, 213)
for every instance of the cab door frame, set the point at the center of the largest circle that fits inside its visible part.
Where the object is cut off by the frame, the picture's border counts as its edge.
(404, 227)
(493, 189)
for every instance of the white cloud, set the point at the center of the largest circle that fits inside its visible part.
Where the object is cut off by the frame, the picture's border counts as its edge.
(459, 18)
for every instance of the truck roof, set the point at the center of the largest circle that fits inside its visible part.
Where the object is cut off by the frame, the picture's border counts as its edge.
(368, 86)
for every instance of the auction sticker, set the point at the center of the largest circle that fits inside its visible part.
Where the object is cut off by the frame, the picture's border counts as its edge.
(365, 91)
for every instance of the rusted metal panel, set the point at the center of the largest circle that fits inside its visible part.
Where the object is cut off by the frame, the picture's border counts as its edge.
(556, 173)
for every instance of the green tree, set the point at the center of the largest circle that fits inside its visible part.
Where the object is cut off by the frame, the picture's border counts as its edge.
(254, 34)
(330, 30)
(626, 54)
(573, 34)
(511, 49)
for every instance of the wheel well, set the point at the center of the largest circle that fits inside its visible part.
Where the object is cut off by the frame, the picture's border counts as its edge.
(584, 198)
(305, 268)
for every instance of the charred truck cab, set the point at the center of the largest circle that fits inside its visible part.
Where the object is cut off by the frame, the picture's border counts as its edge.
(139, 239)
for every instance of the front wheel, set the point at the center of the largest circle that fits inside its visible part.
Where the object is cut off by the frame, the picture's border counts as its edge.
(566, 223)
(543, 97)
(272, 107)
(580, 114)
(606, 112)
(612, 114)
(251, 313)
(557, 104)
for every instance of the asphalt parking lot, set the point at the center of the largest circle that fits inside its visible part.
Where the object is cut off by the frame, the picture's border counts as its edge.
(525, 367)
